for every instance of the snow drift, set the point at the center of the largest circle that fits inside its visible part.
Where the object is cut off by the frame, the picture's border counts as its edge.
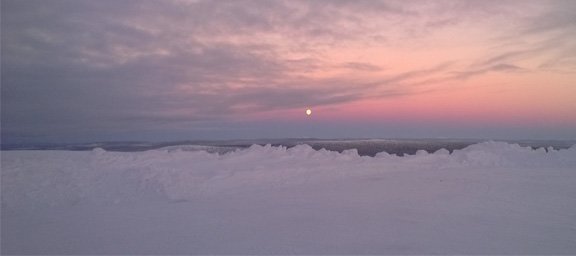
(489, 198)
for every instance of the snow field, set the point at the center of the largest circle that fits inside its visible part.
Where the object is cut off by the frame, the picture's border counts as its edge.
(489, 198)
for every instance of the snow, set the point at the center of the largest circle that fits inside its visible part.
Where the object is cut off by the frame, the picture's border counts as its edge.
(489, 198)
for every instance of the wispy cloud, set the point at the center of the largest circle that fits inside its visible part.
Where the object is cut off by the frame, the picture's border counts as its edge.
(360, 66)
(85, 65)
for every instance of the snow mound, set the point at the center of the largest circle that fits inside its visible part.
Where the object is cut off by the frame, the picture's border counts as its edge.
(494, 153)
(181, 173)
(209, 149)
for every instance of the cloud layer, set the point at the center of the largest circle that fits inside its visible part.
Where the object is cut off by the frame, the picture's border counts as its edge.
(90, 68)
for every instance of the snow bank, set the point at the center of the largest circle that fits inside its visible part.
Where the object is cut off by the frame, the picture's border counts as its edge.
(490, 197)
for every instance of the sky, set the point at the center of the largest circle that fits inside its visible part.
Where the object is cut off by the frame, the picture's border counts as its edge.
(110, 70)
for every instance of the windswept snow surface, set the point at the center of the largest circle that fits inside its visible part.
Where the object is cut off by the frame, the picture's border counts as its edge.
(489, 198)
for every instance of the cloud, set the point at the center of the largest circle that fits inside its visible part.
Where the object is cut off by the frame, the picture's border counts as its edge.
(559, 17)
(88, 66)
(360, 66)
(85, 64)
(505, 68)
(543, 37)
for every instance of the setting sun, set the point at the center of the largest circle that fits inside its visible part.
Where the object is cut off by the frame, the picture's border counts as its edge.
(308, 112)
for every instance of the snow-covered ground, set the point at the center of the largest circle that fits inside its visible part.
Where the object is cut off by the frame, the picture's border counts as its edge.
(489, 198)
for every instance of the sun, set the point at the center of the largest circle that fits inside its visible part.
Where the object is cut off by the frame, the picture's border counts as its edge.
(308, 112)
